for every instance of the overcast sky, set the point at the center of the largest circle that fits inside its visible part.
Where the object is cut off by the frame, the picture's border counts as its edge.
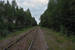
(37, 7)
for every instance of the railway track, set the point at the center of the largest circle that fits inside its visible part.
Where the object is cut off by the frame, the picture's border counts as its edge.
(32, 40)
(39, 42)
(12, 43)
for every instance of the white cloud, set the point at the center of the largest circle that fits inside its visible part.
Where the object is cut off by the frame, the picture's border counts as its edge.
(37, 7)
(28, 4)
(40, 1)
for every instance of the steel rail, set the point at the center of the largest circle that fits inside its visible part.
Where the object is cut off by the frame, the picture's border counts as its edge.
(14, 42)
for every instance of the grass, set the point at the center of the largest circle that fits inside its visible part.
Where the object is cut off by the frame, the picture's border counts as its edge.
(16, 33)
(57, 41)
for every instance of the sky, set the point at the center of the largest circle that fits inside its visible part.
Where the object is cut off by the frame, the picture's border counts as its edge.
(37, 7)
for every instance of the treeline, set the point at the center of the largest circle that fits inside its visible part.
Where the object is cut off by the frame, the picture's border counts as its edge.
(60, 16)
(13, 18)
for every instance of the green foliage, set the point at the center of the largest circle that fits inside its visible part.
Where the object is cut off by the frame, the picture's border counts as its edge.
(13, 18)
(56, 41)
(60, 16)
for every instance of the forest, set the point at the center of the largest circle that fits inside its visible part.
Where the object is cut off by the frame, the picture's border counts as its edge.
(60, 16)
(13, 18)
